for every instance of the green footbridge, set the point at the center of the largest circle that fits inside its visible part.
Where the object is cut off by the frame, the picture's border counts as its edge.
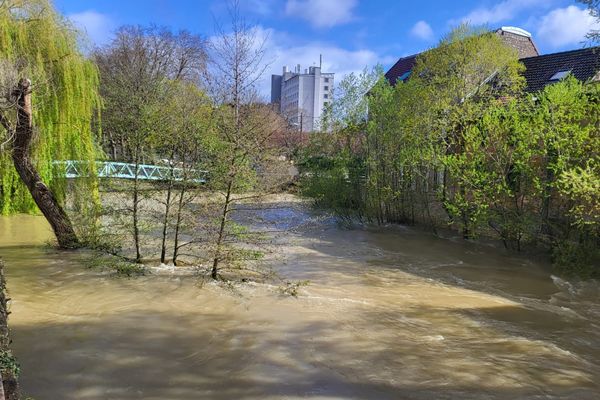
(72, 169)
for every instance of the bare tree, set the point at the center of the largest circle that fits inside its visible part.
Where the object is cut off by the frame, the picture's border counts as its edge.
(134, 72)
(244, 128)
(181, 127)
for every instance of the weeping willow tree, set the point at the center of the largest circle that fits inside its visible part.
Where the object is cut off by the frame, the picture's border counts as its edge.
(39, 44)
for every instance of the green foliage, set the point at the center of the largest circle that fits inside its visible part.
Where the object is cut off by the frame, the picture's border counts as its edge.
(580, 259)
(581, 187)
(469, 65)
(181, 122)
(129, 269)
(43, 46)
(8, 363)
(119, 265)
(94, 236)
(334, 162)
(349, 107)
(332, 183)
(461, 143)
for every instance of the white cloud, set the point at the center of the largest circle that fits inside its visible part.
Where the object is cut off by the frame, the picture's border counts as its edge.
(99, 27)
(260, 7)
(282, 49)
(322, 13)
(503, 11)
(335, 59)
(422, 30)
(566, 26)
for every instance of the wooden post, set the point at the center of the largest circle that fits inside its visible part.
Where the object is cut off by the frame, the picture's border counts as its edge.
(42, 195)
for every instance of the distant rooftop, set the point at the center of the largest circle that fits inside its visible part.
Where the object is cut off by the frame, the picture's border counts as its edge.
(401, 70)
(583, 64)
(517, 38)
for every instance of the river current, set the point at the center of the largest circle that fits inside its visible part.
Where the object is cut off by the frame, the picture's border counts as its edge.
(389, 313)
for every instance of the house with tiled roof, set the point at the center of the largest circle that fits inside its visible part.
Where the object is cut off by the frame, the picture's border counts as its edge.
(583, 64)
(540, 70)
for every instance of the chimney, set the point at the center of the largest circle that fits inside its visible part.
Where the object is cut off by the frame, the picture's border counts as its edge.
(284, 69)
(516, 31)
(520, 40)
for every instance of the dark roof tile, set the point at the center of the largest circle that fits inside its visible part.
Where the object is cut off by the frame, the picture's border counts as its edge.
(402, 67)
(583, 64)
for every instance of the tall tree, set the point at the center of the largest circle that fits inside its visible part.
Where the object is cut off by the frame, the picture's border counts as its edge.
(135, 70)
(524, 166)
(21, 145)
(459, 79)
(47, 121)
(244, 127)
(181, 132)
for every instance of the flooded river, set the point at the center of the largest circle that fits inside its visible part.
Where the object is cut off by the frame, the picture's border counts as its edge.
(388, 314)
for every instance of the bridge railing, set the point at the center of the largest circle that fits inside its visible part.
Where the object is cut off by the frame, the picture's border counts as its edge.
(71, 169)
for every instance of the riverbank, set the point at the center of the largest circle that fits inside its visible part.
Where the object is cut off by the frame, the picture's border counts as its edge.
(389, 313)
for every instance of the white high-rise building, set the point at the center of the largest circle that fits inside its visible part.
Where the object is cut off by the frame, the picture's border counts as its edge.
(302, 96)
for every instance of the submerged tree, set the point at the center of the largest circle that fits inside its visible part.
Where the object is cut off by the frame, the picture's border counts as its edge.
(243, 131)
(47, 121)
(462, 139)
(135, 71)
(21, 135)
(181, 133)
(566, 123)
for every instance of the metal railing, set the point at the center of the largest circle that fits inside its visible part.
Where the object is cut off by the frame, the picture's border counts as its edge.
(110, 169)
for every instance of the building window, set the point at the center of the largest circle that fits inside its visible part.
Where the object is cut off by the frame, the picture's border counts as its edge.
(326, 80)
(326, 88)
(325, 96)
(560, 75)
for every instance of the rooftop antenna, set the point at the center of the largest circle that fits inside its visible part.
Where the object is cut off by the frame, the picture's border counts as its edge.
(320, 61)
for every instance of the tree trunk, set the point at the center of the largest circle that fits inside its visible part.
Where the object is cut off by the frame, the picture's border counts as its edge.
(545, 228)
(165, 222)
(178, 224)
(136, 201)
(215, 268)
(42, 195)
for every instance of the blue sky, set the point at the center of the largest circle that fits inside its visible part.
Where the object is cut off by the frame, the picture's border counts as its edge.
(351, 34)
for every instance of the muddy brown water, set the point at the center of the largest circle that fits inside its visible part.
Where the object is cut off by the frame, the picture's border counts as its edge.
(388, 314)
